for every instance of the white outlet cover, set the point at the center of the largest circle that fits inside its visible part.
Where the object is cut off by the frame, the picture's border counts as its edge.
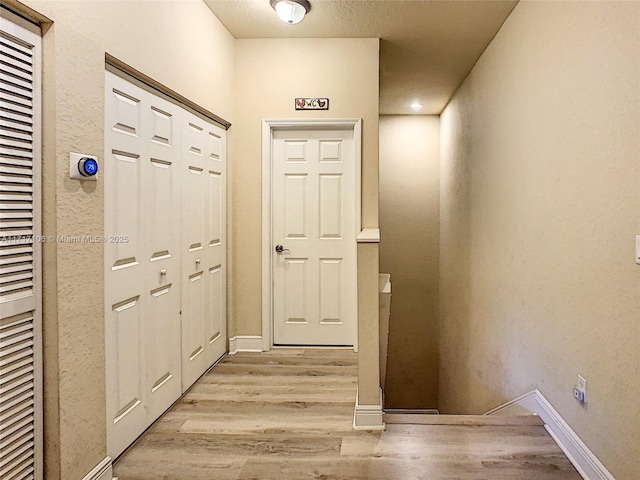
(582, 386)
(638, 249)
(582, 383)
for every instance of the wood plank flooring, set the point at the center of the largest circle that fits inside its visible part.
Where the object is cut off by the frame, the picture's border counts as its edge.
(287, 415)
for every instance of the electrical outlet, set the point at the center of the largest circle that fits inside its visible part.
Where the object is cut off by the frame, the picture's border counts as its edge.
(580, 392)
(638, 249)
(578, 395)
(582, 386)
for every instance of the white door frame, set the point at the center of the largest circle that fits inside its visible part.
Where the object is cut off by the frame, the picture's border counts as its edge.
(268, 127)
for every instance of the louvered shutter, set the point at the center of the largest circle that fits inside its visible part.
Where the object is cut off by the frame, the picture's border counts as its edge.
(20, 359)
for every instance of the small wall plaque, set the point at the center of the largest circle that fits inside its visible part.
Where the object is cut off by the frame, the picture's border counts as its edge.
(312, 104)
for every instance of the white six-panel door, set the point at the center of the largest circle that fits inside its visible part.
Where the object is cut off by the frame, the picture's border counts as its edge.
(154, 316)
(314, 220)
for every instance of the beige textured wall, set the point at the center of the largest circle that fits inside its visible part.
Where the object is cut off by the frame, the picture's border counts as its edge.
(409, 230)
(180, 44)
(540, 172)
(270, 73)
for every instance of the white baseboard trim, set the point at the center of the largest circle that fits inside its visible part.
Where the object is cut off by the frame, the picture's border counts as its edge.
(411, 411)
(102, 471)
(519, 406)
(368, 417)
(583, 459)
(245, 343)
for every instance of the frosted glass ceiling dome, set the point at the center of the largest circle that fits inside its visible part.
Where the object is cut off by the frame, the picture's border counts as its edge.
(291, 11)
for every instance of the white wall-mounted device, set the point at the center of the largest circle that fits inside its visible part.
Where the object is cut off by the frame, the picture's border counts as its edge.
(83, 167)
(580, 391)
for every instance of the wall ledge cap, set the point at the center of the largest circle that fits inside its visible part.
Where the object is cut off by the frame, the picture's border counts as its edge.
(369, 235)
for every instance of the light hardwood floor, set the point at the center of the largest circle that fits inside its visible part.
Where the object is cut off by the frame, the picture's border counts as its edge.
(287, 415)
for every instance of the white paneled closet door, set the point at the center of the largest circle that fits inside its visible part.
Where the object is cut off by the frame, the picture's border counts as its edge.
(164, 279)
(142, 278)
(20, 265)
(204, 337)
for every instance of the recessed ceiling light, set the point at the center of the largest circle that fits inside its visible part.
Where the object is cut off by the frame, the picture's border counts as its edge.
(415, 106)
(291, 11)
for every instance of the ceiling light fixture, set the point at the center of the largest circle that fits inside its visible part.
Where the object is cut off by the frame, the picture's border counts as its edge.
(415, 106)
(291, 11)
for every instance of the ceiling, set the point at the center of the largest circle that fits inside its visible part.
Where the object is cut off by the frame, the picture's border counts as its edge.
(427, 47)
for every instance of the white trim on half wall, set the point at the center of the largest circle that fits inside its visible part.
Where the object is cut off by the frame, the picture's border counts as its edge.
(369, 417)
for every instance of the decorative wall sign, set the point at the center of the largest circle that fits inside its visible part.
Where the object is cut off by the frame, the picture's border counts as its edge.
(312, 104)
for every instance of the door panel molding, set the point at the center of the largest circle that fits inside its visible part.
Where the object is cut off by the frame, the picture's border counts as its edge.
(329, 154)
